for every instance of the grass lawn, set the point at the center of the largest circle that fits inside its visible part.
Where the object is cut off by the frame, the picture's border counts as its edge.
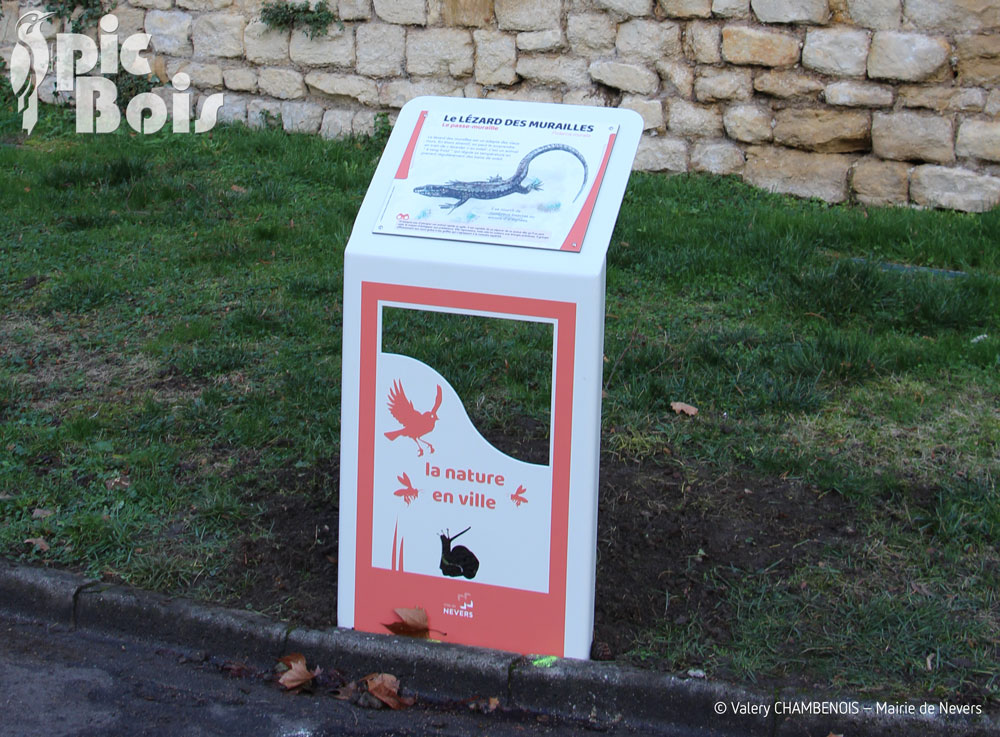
(169, 393)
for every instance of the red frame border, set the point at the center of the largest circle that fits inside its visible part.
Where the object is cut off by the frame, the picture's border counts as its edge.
(505, 618)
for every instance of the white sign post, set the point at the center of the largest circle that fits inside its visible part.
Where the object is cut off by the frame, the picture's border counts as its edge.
(503, 210)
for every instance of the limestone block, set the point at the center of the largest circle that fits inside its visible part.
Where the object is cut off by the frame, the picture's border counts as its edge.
(233, 110)
(910, 57)
(686, 8)
(823, 130)
(840, 51)
(962, 99)
(130, 21)
(554, 70)
(381, 49)
(748, 123)
(678, 75)
(540, 40)
(263, 113)
(202, 76)
(715, 85)
(469, 13)
(694, 121)
(285, 84)
(648, 40)
(979, 139)
(703, 42)
(858, 94)
(717, 157)
(590, 34)
(244, 80)
(731, 8)
(151, 4)
(527, 15)
(787, 84)
(398, 92)
(170, 31)
(650, 110)
(958, 16)
(334, 48)
(301, 117)
(791, 11)
(363, 123)
(354, 9)
(588, 97)
(745, 45)
(203, 4)
(797, 172)
(218, 34)
(978, 59)
(661, 153)
(362, 89)
(993, 103)
(954, 189)
(529, 95)
(627, 7)
(439, 52)
(265, 45)
(879, 15)
(496, 57)
(623, 76)
(9, 13)
(402, 12)
(907, 136)
(336, 124)
(877, 182)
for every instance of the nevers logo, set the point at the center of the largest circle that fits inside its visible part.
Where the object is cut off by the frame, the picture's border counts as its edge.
(77, 55)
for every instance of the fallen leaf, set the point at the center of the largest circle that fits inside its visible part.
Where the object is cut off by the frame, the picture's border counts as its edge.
(41, 513)
(681, 407)
(237, 188)
(298, 674)
(414, 623)
(39, 543)
(385, 688)
(119, 482)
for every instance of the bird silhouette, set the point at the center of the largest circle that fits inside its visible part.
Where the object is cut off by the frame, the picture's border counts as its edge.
(414, 424)
(29, 62)
(408, 493)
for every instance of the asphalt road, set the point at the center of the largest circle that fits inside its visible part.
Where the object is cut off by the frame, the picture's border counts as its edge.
(56, 682)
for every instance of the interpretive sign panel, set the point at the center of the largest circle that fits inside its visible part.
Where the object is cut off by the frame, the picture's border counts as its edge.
(511, 181)
(498, 551)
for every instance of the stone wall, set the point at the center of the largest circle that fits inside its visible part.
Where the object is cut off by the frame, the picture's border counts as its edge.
(880, 101)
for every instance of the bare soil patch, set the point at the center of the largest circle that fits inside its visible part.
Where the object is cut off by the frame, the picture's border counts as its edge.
(660, 531)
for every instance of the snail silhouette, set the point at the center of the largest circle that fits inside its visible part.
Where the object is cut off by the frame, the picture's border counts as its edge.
(457, 561)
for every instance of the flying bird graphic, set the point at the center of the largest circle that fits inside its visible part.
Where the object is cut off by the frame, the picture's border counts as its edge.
(518, 496)
(29, 63)
(414, 424)
(408, 493)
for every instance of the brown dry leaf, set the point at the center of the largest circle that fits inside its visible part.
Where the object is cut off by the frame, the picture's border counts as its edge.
(39, 543)
(238, 189)
(385, 688)
(681, 407)
(119, 482)
(40, 513)
(298, 674)
(413, 624)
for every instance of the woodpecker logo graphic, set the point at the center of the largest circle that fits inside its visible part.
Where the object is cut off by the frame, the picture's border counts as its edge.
(29, 63)
(76, 56)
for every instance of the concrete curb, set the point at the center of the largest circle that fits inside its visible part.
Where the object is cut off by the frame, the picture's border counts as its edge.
(598, 694)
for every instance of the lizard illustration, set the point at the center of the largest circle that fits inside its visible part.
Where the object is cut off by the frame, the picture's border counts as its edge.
(497, 186)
